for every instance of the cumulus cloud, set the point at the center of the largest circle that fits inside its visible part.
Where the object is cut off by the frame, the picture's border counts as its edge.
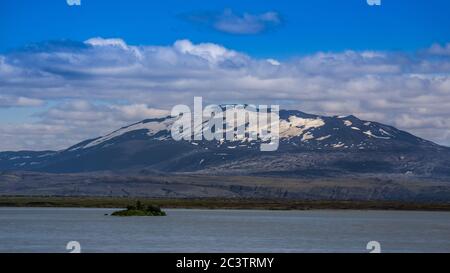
(107, 42)
(70, 122)
(138, 112)
(438, 49)
(103, 84)
(230, 22)
(13, 101)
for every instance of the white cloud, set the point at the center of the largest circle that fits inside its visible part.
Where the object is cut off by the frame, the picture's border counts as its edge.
(98, 41)
(438, 49)
(13, 101)
(127, 83)
(211, 52)
(69, 122)
(273, 62)
(230, 22)
(139, 112)
(247, 23)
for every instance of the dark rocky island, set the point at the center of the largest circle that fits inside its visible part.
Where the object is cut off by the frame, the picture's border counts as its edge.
(140, 210)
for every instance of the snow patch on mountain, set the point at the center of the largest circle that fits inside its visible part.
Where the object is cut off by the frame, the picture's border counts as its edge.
(152, 128)
(338, 145)
(370, 134)
(323, 138)
(348, 123)
(296, 126)
(307, 136)
(382, 131)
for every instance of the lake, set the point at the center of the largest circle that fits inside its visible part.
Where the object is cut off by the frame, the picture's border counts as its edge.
(50, 229)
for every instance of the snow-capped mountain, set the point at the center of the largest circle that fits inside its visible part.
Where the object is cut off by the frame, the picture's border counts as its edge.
(309, 145)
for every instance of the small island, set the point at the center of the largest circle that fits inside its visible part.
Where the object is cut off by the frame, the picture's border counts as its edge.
(140, 210)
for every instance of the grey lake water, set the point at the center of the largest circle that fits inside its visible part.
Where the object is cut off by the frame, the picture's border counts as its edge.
(50, 229)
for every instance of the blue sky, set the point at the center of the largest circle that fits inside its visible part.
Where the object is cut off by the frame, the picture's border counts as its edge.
(305, 27)
(68, 73)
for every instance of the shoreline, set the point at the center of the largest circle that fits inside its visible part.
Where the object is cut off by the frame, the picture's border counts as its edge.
(217, 203)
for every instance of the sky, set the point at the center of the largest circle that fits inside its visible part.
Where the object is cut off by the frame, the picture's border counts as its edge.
(71, 71)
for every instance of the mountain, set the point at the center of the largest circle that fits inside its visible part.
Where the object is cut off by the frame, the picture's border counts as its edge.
(310, 145)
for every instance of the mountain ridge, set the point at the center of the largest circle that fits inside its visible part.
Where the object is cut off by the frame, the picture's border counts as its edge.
(309, 145)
